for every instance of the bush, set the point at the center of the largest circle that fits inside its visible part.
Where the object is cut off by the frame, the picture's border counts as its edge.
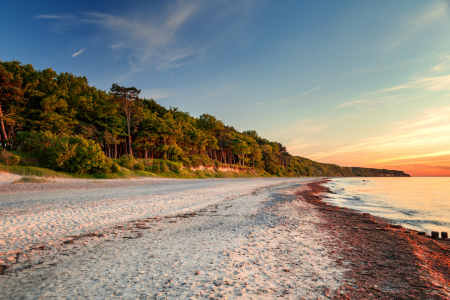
(115, 168)
(175, 153)
(200, 160)
(164, 168)
(14, 160)
(186, 162)
(147, 162)
(69, 153)
(127, 161)
(8, 158)
(139, 167)
(152, 169)
(32, 179)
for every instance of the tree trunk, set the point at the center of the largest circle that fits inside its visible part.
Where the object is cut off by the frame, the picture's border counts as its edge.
(221, 147)
(128, 127)
(2, 128)
(165, 150)
(12, 137)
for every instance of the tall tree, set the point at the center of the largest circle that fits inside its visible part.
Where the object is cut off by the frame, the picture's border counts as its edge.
(127, 96)
(212, 126)
(10, 97)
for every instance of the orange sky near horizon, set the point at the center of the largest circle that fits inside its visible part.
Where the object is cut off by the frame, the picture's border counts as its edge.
(420, 146)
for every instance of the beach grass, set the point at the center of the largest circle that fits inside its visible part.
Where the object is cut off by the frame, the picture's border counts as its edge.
(32, 179)
(154, 168)
(32, 171)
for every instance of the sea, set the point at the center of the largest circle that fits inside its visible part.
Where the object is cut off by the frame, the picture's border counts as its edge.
(419, 203)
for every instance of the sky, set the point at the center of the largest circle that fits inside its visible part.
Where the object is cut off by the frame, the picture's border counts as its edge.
(355, 83)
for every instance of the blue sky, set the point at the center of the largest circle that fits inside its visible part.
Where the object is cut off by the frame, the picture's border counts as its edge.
(350, 82)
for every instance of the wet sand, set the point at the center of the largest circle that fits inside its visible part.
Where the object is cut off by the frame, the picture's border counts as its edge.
(384, 261)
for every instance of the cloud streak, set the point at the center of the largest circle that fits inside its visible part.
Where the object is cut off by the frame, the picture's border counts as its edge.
(443, 66)
(306, 93)
(78, 53)
(415, 24)
(54, 17)
(437, 83)
(152, 37)
(367, 102)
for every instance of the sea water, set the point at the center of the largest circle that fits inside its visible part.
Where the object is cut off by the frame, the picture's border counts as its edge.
(420, 203)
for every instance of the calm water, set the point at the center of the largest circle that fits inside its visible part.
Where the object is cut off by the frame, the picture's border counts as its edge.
(421, 203)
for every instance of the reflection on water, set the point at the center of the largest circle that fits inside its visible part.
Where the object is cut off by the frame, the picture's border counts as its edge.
(421, 203)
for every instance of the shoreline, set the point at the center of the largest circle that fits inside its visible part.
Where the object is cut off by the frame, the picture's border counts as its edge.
(385, 261)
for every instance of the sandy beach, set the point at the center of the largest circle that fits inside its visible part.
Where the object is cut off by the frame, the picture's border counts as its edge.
(188, 239)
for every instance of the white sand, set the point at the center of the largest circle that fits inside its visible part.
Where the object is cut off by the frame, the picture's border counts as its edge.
(8, 177)
(248, 240)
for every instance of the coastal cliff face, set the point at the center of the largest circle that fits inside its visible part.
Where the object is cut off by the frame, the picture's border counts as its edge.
(307, 167)
(310, 168)
(371, 172)
(300, 166)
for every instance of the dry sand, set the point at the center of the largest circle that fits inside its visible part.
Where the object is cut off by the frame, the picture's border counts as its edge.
(8, 177)
(166, 239)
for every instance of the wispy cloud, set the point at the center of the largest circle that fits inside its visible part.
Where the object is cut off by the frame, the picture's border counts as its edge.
(431, 83)
(78, 53)
(158, 38)
(366, 102)
(151, 37)
(300, 144)
(444, 65)
(428, 83)
(306, 93)
(54, 17)
(415, 24)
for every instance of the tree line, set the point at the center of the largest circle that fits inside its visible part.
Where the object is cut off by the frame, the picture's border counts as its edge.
(122, 123)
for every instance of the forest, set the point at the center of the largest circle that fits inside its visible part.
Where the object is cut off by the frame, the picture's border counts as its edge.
(62, 121)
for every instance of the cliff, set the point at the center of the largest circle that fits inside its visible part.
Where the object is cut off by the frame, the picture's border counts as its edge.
(308, 167)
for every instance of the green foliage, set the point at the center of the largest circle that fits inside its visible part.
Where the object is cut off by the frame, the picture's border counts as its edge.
(186, 161)
(14, 160)
(72, 154)
(32, 171)
(197, 160)
(115, 168)
(164, 168)
(127, 161)
(139, 167)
